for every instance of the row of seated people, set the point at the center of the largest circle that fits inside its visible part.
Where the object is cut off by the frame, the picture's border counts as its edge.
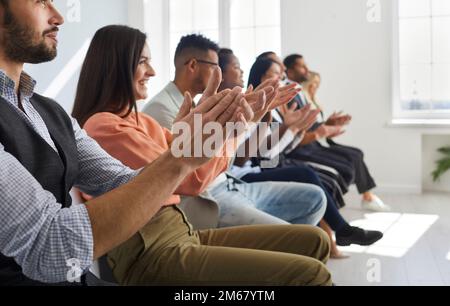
(265, 228)
(246, 194)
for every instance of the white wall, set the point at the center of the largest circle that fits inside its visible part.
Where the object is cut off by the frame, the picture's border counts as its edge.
(355, 60)
(59, 77)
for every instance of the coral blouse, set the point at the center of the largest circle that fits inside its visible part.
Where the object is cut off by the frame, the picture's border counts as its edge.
(137, 145)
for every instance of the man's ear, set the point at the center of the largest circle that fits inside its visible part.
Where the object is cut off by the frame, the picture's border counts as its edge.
(192, 65)
(288, 72)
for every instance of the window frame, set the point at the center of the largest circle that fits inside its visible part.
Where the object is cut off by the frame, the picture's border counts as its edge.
(398, 112)
(156, 23)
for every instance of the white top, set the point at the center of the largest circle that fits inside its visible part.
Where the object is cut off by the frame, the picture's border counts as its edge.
(277, 147)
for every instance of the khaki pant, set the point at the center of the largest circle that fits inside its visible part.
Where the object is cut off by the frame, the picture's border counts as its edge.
(168, 252)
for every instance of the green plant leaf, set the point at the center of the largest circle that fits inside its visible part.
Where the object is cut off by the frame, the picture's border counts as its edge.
(445, 150)
(442, 165)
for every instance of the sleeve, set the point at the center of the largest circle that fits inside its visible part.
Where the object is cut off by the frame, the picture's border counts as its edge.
(34, 229)
(278, 144)
(137, 149)
(99, 172)
(295, 143)
(259, 141)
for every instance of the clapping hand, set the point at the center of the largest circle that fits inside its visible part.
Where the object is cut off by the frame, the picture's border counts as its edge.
(299, 120)
(222, 108)
(274, 95)
(327, 131)
(338, 119)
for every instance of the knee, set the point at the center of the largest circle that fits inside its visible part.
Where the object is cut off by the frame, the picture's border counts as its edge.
(360, 153)
(310, 269)
(293, 174)
(320, 203)
(313, 239)
(319, 275)
(312, 175)
(302, 175)
(314, 274)
(321, 244)
(351, 174)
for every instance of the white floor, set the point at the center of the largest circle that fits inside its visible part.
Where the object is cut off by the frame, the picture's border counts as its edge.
(414, 251)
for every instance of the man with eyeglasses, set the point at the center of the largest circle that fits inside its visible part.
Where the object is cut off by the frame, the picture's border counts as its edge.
(195, 59)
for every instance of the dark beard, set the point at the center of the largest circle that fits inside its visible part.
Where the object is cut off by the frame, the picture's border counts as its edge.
(302, 78)
(18, 43)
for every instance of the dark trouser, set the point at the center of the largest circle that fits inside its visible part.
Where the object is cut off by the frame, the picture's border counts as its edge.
(333, 188)
(334, 183)
(316, 153)
(339, 180)
(301, 174)
(363, 179)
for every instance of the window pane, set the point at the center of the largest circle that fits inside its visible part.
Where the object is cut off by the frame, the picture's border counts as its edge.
(441, 7)
(441, 40)
(211, 34)
(206, 14)
(268, 39)
(415, 83)
(242, 13)
(415, 41)
(181, 15)
(255, 28)
(441, 88)
(414, 8)
(424, 49)
(243, 44)
(267, 13)
(192, 16)
(174, 40)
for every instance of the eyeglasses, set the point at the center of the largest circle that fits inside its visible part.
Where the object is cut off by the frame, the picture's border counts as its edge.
(202, 61)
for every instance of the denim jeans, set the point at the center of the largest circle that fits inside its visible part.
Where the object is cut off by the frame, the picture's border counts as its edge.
(301, 175)
(241, 203)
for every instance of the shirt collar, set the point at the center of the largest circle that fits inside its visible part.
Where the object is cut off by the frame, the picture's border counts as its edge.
(26, 86)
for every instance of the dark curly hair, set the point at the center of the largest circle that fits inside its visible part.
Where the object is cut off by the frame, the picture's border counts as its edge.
(195, 42)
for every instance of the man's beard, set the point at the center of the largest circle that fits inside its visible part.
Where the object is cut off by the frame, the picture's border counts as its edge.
(19, 46)
(200, 85)
(301, 78)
